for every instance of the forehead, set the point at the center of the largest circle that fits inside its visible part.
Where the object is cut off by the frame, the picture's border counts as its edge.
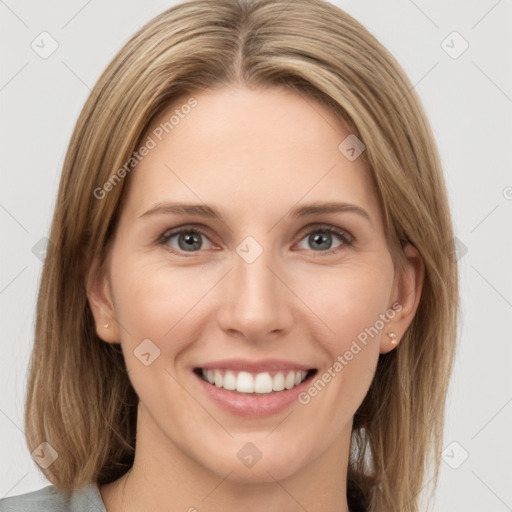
(250, 149)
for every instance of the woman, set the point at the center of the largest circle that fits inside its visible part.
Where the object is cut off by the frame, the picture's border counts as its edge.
(250, 297)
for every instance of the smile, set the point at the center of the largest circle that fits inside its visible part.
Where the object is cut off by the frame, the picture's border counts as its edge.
(246, 387)
(260, 383)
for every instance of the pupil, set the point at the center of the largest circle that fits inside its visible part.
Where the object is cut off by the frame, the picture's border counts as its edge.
(322, 241)
(191, 241)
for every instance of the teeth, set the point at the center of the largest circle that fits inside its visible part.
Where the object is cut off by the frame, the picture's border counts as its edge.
(289, 382)
(263, 383)
(229, 381)
(278, 382)
(245, 382)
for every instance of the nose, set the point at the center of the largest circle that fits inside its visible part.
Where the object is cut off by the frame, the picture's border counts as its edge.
(255, 301)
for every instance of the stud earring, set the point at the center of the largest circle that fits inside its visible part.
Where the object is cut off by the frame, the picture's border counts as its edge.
(392, 336)
(106, 326)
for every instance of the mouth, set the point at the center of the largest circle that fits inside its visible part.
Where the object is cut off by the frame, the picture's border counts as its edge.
(252, 383)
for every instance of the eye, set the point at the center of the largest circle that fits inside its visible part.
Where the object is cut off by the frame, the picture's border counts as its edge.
(320, 238)
(187, 240)
(190, 239)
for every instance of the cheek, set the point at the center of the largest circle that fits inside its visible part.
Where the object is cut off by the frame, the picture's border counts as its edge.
(348, 300)
(153, 300)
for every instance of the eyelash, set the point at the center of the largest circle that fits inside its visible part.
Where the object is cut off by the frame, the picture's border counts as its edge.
(346, 238)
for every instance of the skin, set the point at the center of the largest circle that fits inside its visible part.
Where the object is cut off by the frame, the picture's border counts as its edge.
(254, 155)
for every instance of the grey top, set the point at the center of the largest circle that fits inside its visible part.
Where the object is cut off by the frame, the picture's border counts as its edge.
(50, 499)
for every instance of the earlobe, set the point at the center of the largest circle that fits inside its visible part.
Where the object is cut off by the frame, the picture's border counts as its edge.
(392, 338)
(100, 301)
(406, 293)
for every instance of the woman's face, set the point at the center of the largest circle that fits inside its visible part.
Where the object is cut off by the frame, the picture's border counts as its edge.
(220, 263)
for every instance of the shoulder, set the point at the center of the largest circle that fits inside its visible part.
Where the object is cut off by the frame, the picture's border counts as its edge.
(46, 499)
(52, 499)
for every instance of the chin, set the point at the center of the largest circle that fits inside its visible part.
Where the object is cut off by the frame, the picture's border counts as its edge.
(248, 464)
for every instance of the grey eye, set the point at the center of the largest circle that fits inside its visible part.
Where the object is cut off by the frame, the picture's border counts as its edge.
(188, 241)
(321, 239)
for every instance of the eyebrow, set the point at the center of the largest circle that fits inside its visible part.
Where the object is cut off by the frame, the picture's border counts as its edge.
(203, 210)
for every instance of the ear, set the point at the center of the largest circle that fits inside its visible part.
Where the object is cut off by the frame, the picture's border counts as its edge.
(405, 297)
(99, 295)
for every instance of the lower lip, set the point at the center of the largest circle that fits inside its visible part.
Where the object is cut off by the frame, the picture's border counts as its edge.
(252, 404)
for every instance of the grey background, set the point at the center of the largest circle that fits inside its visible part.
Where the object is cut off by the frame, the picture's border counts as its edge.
(469, 103)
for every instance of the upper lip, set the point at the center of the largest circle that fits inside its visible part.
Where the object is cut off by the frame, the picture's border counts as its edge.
(264, 365)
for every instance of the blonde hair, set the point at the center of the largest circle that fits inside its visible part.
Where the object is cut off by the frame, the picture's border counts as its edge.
(79, 396)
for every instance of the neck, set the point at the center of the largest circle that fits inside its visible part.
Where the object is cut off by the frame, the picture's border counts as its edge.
(163, 478)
